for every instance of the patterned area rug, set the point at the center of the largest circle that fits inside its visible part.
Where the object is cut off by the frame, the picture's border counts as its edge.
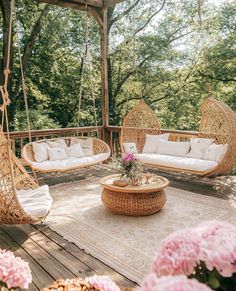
(126, 244)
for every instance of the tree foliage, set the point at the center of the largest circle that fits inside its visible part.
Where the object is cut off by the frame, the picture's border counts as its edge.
(167, 52)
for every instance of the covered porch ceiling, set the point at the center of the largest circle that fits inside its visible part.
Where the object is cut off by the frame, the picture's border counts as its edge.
(81, 4)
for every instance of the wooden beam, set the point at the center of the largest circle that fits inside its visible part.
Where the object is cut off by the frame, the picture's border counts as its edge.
(71, 3)
(104, 69)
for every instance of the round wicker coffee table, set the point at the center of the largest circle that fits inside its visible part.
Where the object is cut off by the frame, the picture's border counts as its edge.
(131, 200)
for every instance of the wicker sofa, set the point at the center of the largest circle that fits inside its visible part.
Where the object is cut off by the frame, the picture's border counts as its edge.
(101, 152)
(218, 122)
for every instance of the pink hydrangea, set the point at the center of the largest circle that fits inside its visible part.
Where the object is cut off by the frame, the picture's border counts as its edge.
(129, 157)
(172, 283)
(103, 283)
(14, 271)
(178, 254)
(218, 246)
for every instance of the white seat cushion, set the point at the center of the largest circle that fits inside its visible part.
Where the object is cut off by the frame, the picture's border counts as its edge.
(215, 152)
(86, 144)
(75, 151)
(70, 162)
(199, 146)
(36, 202)
(57, 154)
(130, 147)
(151, 142)
(58, 143)
(184, 163)
(40, 150)
(173, 148)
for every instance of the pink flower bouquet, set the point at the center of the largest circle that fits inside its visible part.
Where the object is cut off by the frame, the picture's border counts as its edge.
(102, 283)
(172, 283)
(14, 272)
(207, 253)
(129, 167)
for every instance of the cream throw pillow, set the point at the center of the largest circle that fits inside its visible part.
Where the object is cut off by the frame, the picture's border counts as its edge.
(58, 143)
(152, 142)
(130, 147)
(86, 144)
(75, 151)
(57, 154)
(40, 151)
(215, 152)
(179, 149)
(199, 146)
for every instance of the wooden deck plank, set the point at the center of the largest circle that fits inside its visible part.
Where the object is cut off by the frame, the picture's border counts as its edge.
(99, 267)
(44, 259)
(40, 277)
(59, 253)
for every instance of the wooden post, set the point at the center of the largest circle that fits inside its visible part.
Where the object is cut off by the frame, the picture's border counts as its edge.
(104, 69)
(104, 75)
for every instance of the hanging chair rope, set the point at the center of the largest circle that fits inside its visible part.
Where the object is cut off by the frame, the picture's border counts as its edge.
(87, 59)
(5, 97)
(22, 75)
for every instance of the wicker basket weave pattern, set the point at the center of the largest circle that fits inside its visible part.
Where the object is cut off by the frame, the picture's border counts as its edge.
(141, 120)
(133, 204)
(10, 208)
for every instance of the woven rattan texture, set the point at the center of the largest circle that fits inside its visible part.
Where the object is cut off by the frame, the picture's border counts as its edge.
(141, 120)
(77, 284)
(99, 147)
(133, 204)
(10, 208)
(218, 121)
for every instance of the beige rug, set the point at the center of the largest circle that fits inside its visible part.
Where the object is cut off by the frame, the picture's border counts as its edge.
(126, 244)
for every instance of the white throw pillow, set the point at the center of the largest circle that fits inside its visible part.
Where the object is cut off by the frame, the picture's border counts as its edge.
(215, 152)
(57, 154)
(58, 143)
(151, 143)
(130, 147)
(40, 151)
(199, 146)
(172, 148)
(86, 144)
(75, 151)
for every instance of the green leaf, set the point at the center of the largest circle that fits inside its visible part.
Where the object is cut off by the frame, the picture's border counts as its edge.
(213, 281)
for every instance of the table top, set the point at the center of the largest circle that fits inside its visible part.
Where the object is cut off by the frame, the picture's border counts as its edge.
(159, 184)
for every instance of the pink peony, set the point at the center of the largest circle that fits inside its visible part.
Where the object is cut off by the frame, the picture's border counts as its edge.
(14, 271)
(103, 283)
(218, 246)
(129, 157)
(178, 254)
(172, 283)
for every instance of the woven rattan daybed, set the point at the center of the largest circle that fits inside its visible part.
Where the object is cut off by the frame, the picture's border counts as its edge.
(218, 122)
(100, 153)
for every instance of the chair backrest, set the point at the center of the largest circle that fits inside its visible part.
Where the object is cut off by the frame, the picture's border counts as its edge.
(11, 211)
(141, 120)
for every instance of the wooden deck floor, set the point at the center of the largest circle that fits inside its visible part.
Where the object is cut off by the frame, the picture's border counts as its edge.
(51, 257)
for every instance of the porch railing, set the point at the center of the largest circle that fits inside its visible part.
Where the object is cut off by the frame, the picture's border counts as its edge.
(114, 136)
(20, 138)
(110, 134)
